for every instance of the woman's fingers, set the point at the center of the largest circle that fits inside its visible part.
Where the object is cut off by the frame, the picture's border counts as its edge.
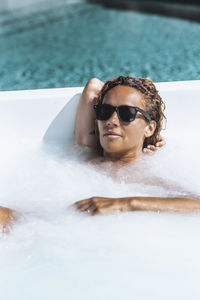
(86, 205)
(92, 206)
(160, 143)
(151, 148)
(81, 202)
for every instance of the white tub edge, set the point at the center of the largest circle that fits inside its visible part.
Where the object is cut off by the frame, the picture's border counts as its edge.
(70, 91)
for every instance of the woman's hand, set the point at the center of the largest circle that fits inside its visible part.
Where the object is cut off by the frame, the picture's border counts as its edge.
(151, 148)
(103, 206)
(7, 217)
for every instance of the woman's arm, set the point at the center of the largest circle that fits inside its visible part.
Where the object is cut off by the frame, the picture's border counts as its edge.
(85, 118)
(104, 206)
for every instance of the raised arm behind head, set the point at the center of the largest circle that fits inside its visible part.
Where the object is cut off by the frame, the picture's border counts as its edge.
(85, 118)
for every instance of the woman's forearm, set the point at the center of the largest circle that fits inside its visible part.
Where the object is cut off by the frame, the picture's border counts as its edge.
(84, 124)
(85, 117)
(162, 204)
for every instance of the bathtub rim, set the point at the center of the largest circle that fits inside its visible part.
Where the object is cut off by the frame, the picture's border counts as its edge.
(70, 91)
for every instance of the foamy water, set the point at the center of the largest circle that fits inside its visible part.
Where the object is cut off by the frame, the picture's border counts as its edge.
(55, 252)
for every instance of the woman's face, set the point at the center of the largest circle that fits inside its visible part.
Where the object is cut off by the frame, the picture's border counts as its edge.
(122, 139)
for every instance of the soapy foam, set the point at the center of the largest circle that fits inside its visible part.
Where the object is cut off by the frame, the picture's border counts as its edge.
(56, 252)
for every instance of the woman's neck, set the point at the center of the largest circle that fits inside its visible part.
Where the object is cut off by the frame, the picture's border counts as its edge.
(123, 158)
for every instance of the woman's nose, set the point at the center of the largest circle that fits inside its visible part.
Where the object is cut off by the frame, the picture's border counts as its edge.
(113, 120)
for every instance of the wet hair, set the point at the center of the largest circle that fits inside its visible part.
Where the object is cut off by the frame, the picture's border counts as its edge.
(152, 100)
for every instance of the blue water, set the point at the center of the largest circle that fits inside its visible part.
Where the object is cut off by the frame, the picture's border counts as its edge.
(65, 44)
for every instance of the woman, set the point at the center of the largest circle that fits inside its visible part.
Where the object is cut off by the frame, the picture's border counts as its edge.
(129, 115)
(120, 119)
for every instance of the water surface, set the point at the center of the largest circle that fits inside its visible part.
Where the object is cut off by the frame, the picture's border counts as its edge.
(65, 44)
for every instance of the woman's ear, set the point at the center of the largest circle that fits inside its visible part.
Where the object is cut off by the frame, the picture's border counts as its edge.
(150, 128)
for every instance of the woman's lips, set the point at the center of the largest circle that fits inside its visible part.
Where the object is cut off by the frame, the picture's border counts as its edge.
(112, 134)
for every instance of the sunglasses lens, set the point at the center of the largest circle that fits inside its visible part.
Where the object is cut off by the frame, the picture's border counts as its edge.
(127, 113)
(103, 112)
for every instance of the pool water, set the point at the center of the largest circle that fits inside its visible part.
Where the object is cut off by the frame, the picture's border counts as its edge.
(65, 44)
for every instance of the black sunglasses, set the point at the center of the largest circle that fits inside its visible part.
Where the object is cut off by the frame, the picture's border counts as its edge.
(125, 113)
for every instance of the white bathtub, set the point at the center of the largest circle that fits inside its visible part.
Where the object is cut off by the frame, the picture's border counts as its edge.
(29, 113)
(56, 253)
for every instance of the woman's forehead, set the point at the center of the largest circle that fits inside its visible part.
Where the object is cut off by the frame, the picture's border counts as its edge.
(124, 95)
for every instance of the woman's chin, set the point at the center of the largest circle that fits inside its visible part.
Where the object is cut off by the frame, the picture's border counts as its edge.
(112, 146)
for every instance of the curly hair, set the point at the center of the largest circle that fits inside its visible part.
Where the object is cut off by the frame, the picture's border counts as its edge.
(152, 100)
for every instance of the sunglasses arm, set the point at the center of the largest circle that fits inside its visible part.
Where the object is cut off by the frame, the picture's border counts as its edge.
(145, 114)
